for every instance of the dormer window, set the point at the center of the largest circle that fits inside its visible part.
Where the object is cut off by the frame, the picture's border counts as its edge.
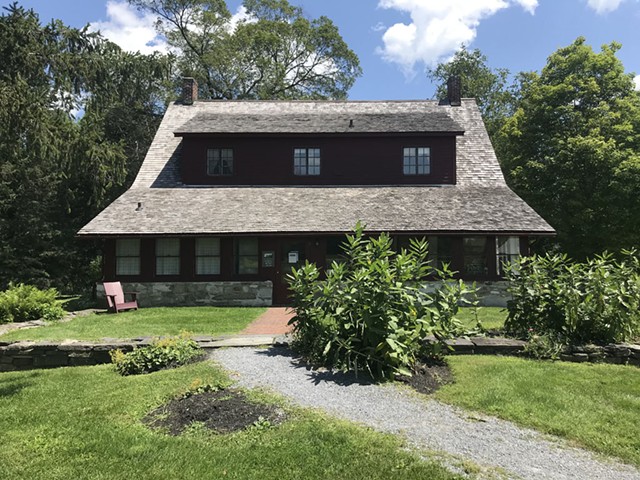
(306, 161)
(220, 161)
(416, 161)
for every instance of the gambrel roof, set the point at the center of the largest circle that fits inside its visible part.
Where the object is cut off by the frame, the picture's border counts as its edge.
(480, 201)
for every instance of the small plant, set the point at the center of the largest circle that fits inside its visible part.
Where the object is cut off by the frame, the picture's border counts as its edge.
(163, 353)
(23, 303)
(544, 347)
(372, 312)
(197, 387)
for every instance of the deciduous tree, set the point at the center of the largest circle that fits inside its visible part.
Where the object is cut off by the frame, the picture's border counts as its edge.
(273, 52)
(572, 148)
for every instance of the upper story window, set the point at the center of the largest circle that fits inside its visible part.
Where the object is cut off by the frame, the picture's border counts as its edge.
(416, 161)
(219, 161)
(168, 256)
(306, 161)
(128, 256)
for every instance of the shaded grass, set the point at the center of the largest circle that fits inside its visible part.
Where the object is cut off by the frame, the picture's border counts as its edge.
(84, 423)
(492, 318)
(144, 322)
(597, 406)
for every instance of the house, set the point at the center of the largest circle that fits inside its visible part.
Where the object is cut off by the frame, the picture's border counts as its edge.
(232, 194)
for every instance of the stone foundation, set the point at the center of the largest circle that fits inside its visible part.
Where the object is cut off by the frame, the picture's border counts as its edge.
(192, 294)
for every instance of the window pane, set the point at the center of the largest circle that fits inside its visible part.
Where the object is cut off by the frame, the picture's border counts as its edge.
(248, 246)
(167, 265)
(306, 161)
(509, 245)
(220, 161)
(128, 247)
(208, 265)
(208, 246)
(167, 247)
(128, 266)
(248, 265)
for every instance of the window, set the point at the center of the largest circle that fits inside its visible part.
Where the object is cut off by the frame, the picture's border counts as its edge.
(246, 256)
(475, 256)
(507, 251)
(220, 161)
(207, 256)
(306, 161)
(440, 251)
(416, 161)
(168, 256)
(128, 257)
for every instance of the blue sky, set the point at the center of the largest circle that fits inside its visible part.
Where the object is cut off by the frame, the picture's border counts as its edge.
(396, 40)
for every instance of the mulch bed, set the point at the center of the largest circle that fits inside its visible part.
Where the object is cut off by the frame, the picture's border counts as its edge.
(223, 411)
(428, 377)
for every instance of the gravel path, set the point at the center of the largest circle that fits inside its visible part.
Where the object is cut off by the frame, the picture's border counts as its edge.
(487, 441)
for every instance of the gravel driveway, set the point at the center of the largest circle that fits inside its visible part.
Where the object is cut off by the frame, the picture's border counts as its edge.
(487, 441)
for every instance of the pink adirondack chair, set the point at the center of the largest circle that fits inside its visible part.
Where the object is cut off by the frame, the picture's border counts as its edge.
(115, 297)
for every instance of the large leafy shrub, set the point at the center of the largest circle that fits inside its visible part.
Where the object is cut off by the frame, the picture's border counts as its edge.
(163, 353)
(371, 312)
(22, 303)
(596, 301)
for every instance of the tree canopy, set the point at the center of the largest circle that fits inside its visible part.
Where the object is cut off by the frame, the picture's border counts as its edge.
(488, 86)
(273, 52)
(76, 117)
(572, 148)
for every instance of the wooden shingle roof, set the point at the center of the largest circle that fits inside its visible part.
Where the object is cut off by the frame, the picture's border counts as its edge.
(480, 201)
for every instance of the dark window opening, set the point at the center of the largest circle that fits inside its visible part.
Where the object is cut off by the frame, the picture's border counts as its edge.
(475, 256)
(207, 256)
(246, 256)
(220, 161)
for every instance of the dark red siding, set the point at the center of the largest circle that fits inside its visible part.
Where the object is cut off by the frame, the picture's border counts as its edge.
(371, 160)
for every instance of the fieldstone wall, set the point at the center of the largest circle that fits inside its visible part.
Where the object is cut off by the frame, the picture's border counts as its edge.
(490, 294)
(183, 294)
(31, 355)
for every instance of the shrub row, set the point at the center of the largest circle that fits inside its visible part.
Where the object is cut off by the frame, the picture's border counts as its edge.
(23, 303)
(597, 301)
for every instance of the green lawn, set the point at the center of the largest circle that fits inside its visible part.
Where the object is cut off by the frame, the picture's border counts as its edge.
(84, 423)
(144, 322)
(597, 406)
(492, 318)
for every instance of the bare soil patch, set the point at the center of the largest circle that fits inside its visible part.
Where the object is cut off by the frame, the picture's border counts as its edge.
(428, 377)
(223, 411)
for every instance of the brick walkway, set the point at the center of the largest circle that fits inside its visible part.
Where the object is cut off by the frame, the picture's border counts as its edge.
(272, 322)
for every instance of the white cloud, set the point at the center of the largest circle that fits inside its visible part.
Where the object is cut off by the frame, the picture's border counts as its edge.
(131, 30)
(604, 6)
(437, 28)
(637, 80)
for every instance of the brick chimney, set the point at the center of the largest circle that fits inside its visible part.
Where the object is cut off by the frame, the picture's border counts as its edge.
(454, 93)
(189, 90)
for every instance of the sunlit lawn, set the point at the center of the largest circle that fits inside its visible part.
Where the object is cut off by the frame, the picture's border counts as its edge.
(144, 322)
(492, 318)
(595, 405)
(85, 423)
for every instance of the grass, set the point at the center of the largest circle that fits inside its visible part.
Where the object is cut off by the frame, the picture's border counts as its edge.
(144, 322)
(595, 405)
(492, 318)
(84, 423)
